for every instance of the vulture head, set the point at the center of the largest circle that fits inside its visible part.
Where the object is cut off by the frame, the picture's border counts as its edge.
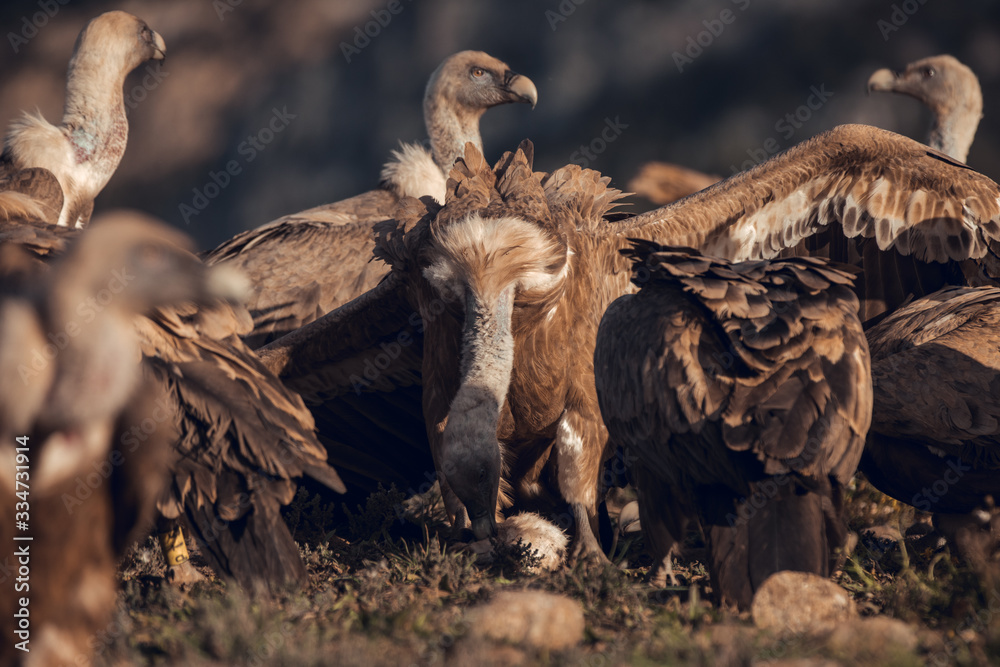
(459, 91)
(949, 89)
(495, 257)
(155, 263)
(116, 37)
(940, 82)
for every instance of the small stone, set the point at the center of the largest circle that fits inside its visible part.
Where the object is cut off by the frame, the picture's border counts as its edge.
(799, 662)
(543, 537)
(536, 618)
(795, 603)
(878, 636)
(628, 520)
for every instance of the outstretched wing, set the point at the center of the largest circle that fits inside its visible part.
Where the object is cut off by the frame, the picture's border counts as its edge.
(920, 214)
(304, 265)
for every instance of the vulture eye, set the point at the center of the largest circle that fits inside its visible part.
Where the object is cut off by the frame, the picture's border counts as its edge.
(478, 72)
(928, 72)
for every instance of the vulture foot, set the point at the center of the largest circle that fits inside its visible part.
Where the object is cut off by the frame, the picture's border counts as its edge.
(585, 544)
(184, 575)
(662, 575)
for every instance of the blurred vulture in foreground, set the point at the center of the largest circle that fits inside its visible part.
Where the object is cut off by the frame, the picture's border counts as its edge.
(72, 391)
(242, 439)
(741, 394)
(483, 332)
(306, 264)
(70, 163)
(935, 437)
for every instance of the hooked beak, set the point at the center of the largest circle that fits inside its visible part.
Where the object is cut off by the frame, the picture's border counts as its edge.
(884, 80)
(159, 46)
(523, 88)
(484, 525)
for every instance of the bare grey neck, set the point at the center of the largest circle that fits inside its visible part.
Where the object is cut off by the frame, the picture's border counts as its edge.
(449, 128)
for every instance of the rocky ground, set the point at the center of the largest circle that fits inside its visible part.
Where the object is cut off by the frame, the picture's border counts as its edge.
(383, 591)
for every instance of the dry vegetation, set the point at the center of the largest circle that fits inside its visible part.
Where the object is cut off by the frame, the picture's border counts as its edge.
(385, 591)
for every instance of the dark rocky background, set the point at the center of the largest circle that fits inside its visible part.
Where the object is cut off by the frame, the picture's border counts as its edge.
(231, 62)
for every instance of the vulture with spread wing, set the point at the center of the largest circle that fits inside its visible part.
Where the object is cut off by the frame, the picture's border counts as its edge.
(242, 438)
(483, 332)
(83, 151)
(72, 390)
(306, 264)
(935, 437)
(741, 395)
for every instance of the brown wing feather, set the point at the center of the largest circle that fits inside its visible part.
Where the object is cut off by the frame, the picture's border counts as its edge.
(870, 182)
(304, 265)
(358, 369)
(937, 388)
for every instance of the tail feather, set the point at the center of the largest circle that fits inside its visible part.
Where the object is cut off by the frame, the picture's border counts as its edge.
(256, 548)
(800, 529)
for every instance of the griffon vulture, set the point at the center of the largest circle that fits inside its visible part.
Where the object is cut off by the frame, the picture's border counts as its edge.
(484, 328)
(83, 151)
(243, 439)
(306, 264)
(741, 395)
(935, 437)
(72, 390)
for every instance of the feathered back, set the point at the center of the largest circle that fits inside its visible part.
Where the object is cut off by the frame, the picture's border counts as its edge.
(581, 195)
(797, 349)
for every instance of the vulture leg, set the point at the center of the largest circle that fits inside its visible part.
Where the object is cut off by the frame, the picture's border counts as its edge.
(657, 509)
(579, 472)
(799, 527)
(180, 571)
